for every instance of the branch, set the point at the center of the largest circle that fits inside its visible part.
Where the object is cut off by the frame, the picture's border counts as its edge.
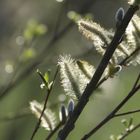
(136, 83)
(122, 63)
(130, 132)
(128, 57)
(85, 7)
(45, 104)
(127, 113)
(95, 79)
(112, 114)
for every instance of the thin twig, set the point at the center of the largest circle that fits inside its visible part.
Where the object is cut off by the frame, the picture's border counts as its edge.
(25, 114)
(123, 62)
(130, 132)
(85, 7)
(44, 107)
(128, 57)
(60, 18)
(98, 73)
(127, 113)
(37, 61)
(111, 115)
(136, 83)
(33, 66)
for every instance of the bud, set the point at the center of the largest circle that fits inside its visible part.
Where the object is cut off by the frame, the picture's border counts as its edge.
(63, 114)
(124, 122)
(118, 68)
(42, 86)
(119, 136)
(131, 127)
(112, 137)
(119, 16)
(70, 107)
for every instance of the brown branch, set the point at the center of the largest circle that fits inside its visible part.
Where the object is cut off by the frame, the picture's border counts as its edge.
(5, 90)
(44, 107)
(127, 113)
(112, 114)
(98, 73)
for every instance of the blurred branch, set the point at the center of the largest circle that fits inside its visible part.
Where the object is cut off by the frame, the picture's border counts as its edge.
(127, 113)
(112, 114)
(130, 132)
(45, 104)
(84, 8)
(33, 66)
(54, 131)
(14, 116)
(60, 17)
(96, 77)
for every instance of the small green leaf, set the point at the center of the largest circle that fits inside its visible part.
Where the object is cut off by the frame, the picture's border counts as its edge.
(34, 29)
(45, 79)
(46, 76)
(130, 122)
(72, 15)
(28, 54)
(41, 29)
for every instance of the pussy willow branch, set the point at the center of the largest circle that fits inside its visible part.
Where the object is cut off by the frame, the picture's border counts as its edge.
(127, 113)
(98, 73)
(25, 114)
(45, 104)
(5, 90)
(130, 132)
(112, 114)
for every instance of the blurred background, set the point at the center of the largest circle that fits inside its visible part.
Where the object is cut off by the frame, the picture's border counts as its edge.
(32, 36)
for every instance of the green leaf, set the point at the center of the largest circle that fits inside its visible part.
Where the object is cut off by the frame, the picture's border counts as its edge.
(34, 29)
(46, 76)
(28, 54)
